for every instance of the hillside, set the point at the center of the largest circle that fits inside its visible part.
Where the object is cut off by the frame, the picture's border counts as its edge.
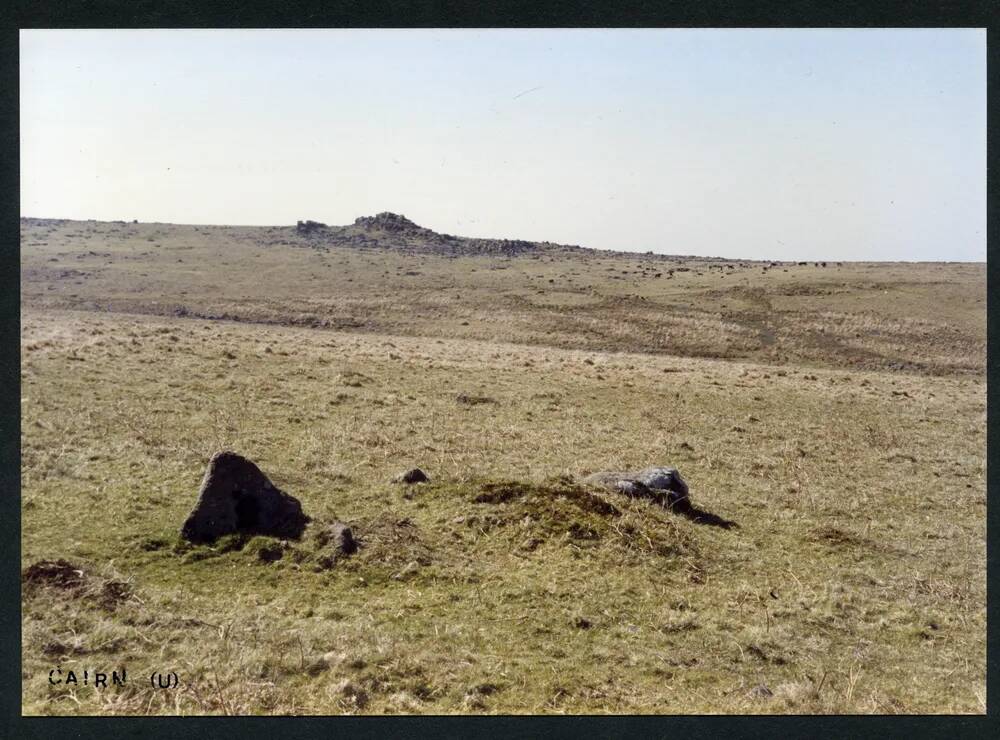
(384, 274)
(829, 422)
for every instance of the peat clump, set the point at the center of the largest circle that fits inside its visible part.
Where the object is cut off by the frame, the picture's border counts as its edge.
(339, 536)
(60, 574)
(75, 582)
(236, 497)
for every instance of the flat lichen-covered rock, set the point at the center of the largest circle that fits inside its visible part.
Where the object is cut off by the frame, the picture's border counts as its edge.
(662, 484)
(236, 496)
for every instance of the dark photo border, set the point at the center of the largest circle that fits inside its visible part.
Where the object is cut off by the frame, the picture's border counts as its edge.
(427, 14)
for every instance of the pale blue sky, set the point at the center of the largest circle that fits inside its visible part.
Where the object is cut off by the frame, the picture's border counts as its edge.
(781, 144)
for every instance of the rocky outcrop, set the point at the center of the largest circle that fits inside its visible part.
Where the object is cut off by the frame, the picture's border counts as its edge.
(308, 227)
(391, 222)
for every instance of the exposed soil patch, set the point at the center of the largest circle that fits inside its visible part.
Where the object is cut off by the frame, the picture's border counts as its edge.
(390, 541)
(470, 400)
(59, 574)
(112, 594)
(500, 493)
(75, 582)
(353, 379)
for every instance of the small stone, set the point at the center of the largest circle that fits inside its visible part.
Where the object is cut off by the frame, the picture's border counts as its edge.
(339, 539)
(415, 475)
(473, 700)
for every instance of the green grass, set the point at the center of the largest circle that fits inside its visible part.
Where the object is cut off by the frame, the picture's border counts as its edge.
(854, 583)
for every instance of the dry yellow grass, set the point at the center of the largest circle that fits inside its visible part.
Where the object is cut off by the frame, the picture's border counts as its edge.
(854, 583)
(854, 316)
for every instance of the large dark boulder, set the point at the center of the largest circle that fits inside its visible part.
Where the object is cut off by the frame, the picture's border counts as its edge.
(236, 496)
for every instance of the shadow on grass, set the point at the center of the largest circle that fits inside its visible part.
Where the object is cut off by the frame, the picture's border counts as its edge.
(683, 506)
(700, 516)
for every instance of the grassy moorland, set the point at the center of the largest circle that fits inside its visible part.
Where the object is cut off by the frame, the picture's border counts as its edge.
(929, 317)
(836, 413)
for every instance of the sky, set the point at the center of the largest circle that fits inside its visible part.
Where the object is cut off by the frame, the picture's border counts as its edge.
(781, 144)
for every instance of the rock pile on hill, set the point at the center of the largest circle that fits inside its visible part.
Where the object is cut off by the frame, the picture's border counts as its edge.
(396, 224)
(236, 497)
(307, 227)
(387, 230)
(388, 221)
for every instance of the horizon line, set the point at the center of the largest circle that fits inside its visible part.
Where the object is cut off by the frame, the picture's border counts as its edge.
(638, 253)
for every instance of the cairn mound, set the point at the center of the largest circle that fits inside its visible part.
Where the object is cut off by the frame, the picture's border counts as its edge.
(236, 497)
